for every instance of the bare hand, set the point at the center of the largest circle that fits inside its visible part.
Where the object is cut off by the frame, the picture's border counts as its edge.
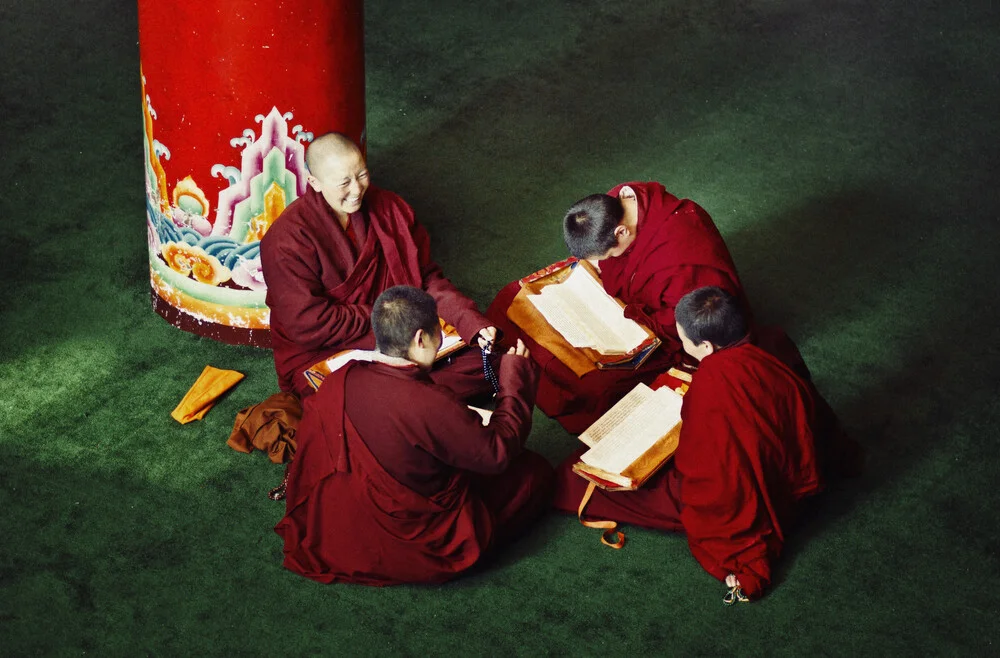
(520, 350)
(486, 336)
(732, 580)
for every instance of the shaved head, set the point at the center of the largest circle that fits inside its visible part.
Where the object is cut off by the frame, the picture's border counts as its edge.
(329, 148)
(338, 171)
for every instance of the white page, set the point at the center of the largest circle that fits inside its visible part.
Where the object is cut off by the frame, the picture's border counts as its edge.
(559, 313)
(616, 331)
(448, 340)
(594, 307)
(644, 425)
(586, 316)
(589, 293)
(615, 415)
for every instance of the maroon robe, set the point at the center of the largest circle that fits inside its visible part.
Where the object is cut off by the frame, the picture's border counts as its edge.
(396, 481)
(321, 287)
(677, 249)
(746, 459)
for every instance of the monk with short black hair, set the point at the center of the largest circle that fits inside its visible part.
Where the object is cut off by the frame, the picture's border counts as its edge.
(651, 249)
(747, 456)
(710, 318)
(400, 313)
(395, 480)
(593, 227)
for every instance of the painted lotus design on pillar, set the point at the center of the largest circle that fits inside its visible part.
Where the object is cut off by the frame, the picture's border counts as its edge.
(232, 93)
(210, 268)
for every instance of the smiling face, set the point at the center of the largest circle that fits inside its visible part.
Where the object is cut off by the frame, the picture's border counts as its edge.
(342, 178)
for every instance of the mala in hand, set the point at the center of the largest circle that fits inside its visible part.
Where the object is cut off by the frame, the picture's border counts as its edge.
(491, 375)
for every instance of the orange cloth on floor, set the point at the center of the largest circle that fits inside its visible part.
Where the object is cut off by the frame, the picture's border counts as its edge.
(211, 384)
(269, 426)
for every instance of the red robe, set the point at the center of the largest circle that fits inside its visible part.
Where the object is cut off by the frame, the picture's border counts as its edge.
(396, 481)
(747, 457)
(676, 250)
(321, 287)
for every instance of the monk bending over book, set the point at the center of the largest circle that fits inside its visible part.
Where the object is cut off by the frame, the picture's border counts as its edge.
(395, 479)
(746, 459)
(651, 248)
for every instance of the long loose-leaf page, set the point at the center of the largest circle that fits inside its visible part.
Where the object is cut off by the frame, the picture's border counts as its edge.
(630, 428)
(586, 316)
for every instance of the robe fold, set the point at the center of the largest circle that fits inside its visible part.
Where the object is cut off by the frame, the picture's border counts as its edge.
(396, 481)
(321, 287)
(746, 459)
(677, 249)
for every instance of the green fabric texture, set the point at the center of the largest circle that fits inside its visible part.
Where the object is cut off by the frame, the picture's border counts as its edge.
(848, 152)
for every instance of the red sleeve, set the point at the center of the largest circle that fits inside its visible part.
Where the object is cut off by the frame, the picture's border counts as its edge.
(456, 309)
(724, 517)
(677, 282)
(303, 311)
(459, 438)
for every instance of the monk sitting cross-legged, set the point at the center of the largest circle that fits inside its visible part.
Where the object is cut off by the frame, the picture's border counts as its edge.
(651, 249)
(396, 480)
(746, 459)
(333, 251)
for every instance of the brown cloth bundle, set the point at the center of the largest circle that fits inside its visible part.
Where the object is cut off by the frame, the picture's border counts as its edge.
(269, 426)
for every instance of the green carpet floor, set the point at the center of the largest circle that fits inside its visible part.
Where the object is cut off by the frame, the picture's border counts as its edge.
(848, 152)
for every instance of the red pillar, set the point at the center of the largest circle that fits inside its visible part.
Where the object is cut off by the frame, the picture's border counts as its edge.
(232, 93)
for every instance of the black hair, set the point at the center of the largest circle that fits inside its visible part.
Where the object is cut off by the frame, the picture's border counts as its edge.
(711, 314)
(397, 315)
(590, 223)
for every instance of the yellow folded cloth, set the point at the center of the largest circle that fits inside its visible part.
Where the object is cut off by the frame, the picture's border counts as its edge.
(211, 384)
